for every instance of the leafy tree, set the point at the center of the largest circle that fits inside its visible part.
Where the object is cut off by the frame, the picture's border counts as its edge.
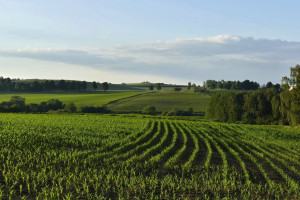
(269, 85)
(277, 87)
(177, 89)
(33, 107)
(149, 110)
(179, 112)
(17, 100)
(276, 107)
(51, 85)
(158, 86)
(84, 85)
(17, 104)
(227, 85)
(36, 86)
(211, 84)
(70, 107)
(295, 75)
(22, 86)
(62, 84)
(220, 84)
(43, 107)
(211, 110)
(238, 85)
(46, 85)
(92, 109)
(105, 86)
(54, 104)
(151, 87)
(74, 85)
(189, 85)
(200, 89)
(94, 85)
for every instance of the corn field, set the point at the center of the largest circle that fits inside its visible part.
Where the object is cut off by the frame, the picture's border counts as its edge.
(47, 156)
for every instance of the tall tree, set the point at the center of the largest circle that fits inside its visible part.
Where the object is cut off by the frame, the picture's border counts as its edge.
(84, 85)
(36, 86)
(105, 86)
(189, 85)
(94, 85)
(62, 84)
(194, 87)
(285, 81)
(269, 85)
(51, 85)
(295, 75)
(158, 86)
(73, 85)
(151, 87)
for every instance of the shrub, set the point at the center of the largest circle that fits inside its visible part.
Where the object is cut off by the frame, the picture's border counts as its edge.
(92, 109)
(177, 89)
(33, 107)
(70, 107)
(55, 104)
(178, 112)
(149, 110)
(163, 113)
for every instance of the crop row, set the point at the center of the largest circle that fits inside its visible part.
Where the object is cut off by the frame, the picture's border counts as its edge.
(102, 157)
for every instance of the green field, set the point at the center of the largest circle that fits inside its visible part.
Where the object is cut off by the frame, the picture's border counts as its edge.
(122, 101)
(47, 156)
(163, 101)
(79, 98)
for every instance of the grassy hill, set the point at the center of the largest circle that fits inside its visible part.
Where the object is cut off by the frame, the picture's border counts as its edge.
(121, 101)
(79, 98)
(163, 101)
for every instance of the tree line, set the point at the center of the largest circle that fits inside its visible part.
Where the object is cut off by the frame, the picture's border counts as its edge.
(157, 86)
(233, 85)
(17, 104)
(7, 84)
(269, 106)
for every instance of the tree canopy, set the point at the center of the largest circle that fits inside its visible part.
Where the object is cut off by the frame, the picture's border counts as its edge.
(269, 106)
(105, 86)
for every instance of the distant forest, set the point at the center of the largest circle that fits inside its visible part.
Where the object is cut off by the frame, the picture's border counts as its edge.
(237, 85)
(7, 84)
(270, 106)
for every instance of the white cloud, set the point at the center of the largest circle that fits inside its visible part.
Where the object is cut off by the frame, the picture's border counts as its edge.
(221, 57)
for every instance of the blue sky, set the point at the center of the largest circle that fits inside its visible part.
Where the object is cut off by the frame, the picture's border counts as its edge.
(139, 40)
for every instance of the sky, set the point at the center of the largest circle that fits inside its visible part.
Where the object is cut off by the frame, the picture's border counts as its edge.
(170, 41)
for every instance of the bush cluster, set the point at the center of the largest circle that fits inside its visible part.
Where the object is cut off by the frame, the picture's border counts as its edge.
(179, 112)
(149, 110)
(92, 109)
(17, 104)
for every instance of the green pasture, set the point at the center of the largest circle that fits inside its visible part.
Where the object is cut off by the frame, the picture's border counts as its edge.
(79, 98)
(163, 101)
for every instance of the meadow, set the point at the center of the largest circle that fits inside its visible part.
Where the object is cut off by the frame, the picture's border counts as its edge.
(48, 156)
(122, 101)
(163, 101)
(96, 98)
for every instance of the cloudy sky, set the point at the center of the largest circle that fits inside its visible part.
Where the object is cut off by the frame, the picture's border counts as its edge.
(171, 41)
